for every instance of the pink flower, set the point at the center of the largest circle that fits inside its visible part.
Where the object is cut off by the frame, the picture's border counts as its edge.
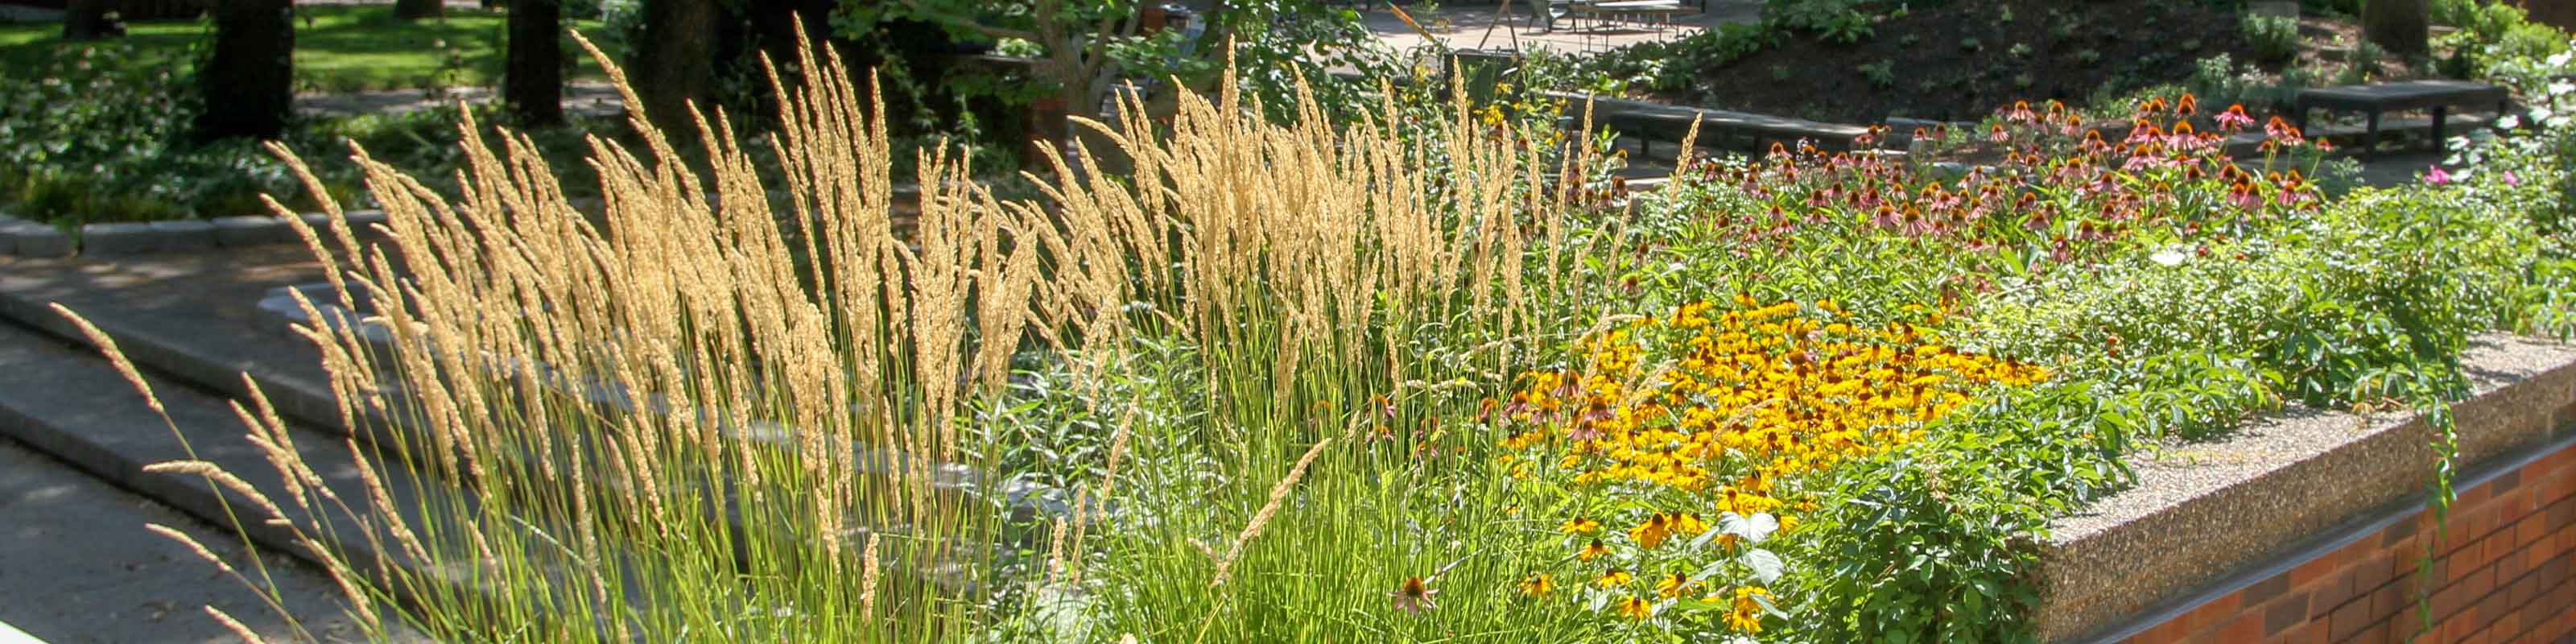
(2235, 118)
(2437, 176)
(2247, 199)
(2283, 131)
(1414, 595)
(2512, 179)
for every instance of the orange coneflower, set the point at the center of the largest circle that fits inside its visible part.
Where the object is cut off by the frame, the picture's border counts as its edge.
(1594, 551)
(1746, 615)
(1538, 584)
(1580, 525)
(1614, 578)
(1637, 608)
(1674, 585)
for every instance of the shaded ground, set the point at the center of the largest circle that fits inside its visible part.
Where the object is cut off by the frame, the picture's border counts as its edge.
(591, 98)
(78, 566)
(1963, 60)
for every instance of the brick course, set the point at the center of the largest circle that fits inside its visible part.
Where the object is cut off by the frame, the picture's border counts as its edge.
(2507, 573)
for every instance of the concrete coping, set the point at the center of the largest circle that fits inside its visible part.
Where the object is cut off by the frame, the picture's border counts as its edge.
(24, 238)
(2203, 513)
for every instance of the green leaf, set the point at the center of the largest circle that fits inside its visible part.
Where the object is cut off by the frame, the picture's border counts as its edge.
(1766, 566)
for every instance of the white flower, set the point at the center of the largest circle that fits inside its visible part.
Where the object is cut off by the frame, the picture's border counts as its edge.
(2170, 256)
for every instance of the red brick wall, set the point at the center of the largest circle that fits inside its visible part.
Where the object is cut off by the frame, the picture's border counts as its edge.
(2503, 576)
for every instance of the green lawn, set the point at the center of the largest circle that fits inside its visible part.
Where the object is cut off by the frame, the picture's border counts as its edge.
(337, 48)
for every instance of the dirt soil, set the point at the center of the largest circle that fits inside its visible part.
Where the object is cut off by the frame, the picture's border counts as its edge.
(1963, 60)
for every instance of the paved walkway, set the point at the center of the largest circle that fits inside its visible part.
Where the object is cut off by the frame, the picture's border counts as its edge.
(77, 566)
(1465, 26)
(581, 98)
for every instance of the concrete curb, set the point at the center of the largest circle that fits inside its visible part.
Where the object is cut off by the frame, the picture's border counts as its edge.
(24, 238)
(30, 239)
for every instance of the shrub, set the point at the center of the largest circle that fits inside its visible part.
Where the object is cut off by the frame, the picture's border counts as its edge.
(2274, 39)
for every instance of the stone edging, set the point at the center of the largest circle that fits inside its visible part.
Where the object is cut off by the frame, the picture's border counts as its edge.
(2207, 513)
(121, 239)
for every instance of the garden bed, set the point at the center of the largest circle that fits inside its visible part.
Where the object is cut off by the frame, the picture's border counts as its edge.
(1430, 374)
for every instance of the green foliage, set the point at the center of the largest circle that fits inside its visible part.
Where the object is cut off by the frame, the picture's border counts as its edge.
(2362, 65)
(1708, 48)
(2400, 281)
(1937, 542)
(2496, 40)
(1881, 74)
(1812, 14)
(94, 142)
(98, 142)
(2274, 39)
(337, 48)
(1278, 45)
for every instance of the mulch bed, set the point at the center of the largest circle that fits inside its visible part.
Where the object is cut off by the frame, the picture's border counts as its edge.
(1960, 61)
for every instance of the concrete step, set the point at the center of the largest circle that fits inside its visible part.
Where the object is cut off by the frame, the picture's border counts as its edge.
(81, 567)
(66, 401)
(196, 320)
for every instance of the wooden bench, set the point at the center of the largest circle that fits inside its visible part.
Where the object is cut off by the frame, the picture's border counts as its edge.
(1651, 13)
(1720, 129)
(2376, 100)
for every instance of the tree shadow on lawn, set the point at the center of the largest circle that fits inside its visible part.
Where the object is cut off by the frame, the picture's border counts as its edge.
(337, 48)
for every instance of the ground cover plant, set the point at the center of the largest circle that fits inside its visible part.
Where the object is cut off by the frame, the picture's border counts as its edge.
(338, 48)
(1420, 375)
(98, 141)
(98, 132)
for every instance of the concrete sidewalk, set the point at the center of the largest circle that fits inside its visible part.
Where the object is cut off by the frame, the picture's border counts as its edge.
(1476, 27)
(78, 566)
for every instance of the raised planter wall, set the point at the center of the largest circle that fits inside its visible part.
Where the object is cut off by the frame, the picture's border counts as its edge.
(2310, 526)
(2503, 576)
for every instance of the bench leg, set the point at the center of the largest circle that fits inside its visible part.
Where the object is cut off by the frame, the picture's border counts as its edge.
(2370, 136)
(2441, 143)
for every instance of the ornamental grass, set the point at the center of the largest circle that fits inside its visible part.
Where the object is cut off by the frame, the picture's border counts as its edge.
(730, 409)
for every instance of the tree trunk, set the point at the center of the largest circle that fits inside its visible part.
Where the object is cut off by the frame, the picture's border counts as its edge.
(248, 81)
(87, 20)
(533, 82)
(2400, 27)
(418, 9)
(673, 64)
